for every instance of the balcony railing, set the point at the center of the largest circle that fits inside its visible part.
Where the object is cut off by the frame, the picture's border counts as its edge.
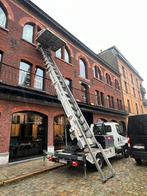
(10, 75)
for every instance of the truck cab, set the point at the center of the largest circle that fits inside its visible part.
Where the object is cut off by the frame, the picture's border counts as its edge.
(115, 130)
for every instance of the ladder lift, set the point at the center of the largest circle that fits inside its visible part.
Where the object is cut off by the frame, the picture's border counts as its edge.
(49, 41)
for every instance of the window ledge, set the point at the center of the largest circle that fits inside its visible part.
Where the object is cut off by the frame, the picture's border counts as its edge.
(98, 79)
(64, 61)
(84, 79)
(5, 29)
(28, 42)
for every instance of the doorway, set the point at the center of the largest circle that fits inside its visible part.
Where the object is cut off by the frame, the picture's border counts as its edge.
(28, 135)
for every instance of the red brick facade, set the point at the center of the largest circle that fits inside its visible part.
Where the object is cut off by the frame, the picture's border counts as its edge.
(15, 49)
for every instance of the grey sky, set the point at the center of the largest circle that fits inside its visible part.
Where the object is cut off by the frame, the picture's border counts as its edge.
(101, 24)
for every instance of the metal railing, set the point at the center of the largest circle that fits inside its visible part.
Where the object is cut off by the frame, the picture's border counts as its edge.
(10, 75)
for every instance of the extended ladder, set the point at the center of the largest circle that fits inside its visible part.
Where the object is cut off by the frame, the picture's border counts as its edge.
(79, 127)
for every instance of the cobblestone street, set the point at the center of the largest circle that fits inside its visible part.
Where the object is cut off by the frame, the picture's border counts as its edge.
(130, 180)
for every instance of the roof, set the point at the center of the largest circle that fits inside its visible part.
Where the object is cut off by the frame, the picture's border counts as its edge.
(45, 17)
(117, 52)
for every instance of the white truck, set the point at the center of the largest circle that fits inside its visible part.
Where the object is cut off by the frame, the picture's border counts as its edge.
(115, 130)
(84, 146)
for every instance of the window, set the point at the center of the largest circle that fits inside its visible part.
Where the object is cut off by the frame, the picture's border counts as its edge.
(99, 98)
(68, 83)
(129, 108)
(119, 104)
(137, 109)
(82, 68)
(66, 56)
(84, 89)
(25, 74)
(132, 79)
(38, 83)
(1, 55)
(117, 84)
(134, 92)
(137, 82)
(59, 53)
(108, 79)
(108, 129)
(97, 73)
(63, 53)
(3, 18)
(110, 101)
(120, 130)
(123, 71)
(126, 87)
(28, 33)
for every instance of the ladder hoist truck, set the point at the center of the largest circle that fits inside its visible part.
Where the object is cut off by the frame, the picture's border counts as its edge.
(85, 147)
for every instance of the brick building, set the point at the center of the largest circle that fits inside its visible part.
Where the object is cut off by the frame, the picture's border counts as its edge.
(131, 81)
(30, 113)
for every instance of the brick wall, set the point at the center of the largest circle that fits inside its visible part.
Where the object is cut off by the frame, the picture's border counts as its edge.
(15, 49)
(7, 108)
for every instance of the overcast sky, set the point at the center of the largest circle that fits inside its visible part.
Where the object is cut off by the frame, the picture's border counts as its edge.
(100, 24)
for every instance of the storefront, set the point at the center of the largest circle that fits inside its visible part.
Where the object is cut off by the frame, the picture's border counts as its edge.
(28, 135)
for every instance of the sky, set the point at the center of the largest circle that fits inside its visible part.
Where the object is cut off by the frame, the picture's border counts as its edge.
(100, 24)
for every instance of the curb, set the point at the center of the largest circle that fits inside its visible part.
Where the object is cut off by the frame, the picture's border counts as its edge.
(17, 178)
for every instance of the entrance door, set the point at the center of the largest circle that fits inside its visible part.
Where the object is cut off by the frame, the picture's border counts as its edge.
(61, 132)
(28, 135)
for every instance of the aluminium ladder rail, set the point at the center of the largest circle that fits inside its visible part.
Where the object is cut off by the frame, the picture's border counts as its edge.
(79, 126)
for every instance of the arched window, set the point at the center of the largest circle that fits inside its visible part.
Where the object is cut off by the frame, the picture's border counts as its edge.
(66, 56)
(63, 53)
(97, 73)
(28, 135)
(1, 56)
(25, 74)
(28, 33)
(3, 18)
(108, 79)
(38, 83)
(59, 53)
(117, 84)
(82, 69)
(68, 83)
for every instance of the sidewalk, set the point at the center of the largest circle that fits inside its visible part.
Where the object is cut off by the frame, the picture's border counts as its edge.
(21, 170)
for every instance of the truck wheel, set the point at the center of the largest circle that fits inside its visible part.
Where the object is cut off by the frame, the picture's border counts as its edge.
(100, 160)
(138, 161)
(126, 152)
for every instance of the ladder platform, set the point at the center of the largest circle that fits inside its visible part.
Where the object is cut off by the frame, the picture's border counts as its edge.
(50, 40)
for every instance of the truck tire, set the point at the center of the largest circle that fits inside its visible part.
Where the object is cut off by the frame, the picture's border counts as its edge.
(100, 160)
(125, 152)
(138, 161)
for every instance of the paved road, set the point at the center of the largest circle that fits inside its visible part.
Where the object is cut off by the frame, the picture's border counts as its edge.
(130, 180)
